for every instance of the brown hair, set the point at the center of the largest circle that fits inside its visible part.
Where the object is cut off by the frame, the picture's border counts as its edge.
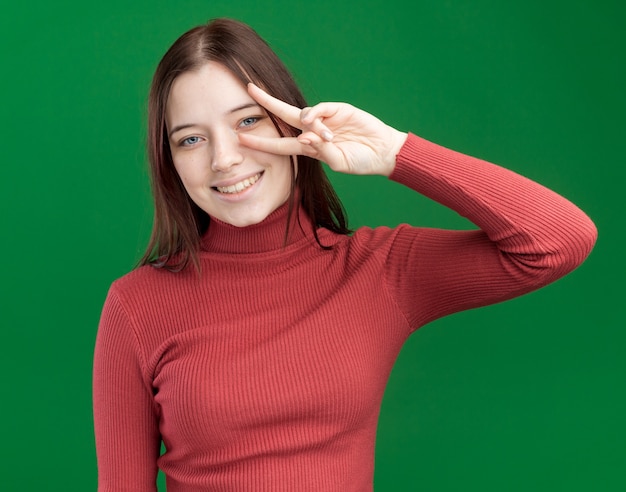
(178, 221)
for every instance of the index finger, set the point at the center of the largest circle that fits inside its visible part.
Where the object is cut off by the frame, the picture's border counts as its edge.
(286, 112)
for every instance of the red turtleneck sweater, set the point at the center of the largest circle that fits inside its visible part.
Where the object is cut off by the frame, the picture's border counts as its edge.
(266, 372)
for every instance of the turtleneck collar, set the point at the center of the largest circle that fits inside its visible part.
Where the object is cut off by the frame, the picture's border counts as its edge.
(267, 235)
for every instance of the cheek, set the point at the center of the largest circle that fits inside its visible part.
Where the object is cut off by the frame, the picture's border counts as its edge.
(284, 170)
(182, 176)
(187, 172)
(289, 177)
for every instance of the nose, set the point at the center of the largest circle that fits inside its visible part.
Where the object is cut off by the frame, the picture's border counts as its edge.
(226, 151)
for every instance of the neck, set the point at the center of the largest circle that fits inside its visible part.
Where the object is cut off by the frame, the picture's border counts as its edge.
(270, 234)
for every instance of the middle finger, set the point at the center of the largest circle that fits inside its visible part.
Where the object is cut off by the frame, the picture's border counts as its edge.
(286, 112)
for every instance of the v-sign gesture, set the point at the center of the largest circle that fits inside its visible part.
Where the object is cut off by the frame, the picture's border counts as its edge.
(346, 138)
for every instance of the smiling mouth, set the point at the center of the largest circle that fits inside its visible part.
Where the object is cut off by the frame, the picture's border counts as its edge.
(238, 187)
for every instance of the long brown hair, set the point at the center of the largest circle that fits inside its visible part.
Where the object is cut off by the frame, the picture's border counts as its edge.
(178, 221)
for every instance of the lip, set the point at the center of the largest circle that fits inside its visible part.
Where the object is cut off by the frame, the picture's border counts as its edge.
(235, 180)
(243, 193)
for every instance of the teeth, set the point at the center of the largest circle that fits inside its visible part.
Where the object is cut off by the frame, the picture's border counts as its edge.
(237, 187)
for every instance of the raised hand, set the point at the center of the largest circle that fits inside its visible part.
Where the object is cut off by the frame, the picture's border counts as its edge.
(346, 138)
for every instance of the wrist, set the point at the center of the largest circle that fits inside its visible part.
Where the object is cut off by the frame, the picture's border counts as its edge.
(397, 140)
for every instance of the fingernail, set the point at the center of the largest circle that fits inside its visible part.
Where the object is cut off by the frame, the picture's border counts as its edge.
(304, 141)
(326, 135)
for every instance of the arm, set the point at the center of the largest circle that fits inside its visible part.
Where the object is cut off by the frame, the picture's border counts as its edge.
(529, 235)
(126, 427)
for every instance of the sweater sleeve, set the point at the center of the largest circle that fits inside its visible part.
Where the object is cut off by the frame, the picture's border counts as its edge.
(529, 236)
(125, 421)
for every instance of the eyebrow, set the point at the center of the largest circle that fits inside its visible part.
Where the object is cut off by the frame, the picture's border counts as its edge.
(249, 105)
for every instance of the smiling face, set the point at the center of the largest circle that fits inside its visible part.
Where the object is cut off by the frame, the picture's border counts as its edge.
(205, 111)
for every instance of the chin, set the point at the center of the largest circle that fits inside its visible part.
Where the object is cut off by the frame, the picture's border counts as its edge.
(245, 221)
(251, 214)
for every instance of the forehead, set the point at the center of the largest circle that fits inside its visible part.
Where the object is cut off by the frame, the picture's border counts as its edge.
(210, 90)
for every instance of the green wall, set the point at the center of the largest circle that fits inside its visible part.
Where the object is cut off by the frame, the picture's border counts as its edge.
(524, 396)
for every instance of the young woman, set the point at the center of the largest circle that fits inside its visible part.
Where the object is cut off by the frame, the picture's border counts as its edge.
(256, 339)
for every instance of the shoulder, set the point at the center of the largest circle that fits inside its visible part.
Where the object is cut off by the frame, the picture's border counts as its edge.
(148, 278)
(379, 244)
(148, 301)
(147, 287)
(383, 238)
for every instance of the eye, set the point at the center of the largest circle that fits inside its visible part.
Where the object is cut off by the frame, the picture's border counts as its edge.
(249, 121)
(189, 141)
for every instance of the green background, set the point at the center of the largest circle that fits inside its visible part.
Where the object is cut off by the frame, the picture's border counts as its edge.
(528, 395)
